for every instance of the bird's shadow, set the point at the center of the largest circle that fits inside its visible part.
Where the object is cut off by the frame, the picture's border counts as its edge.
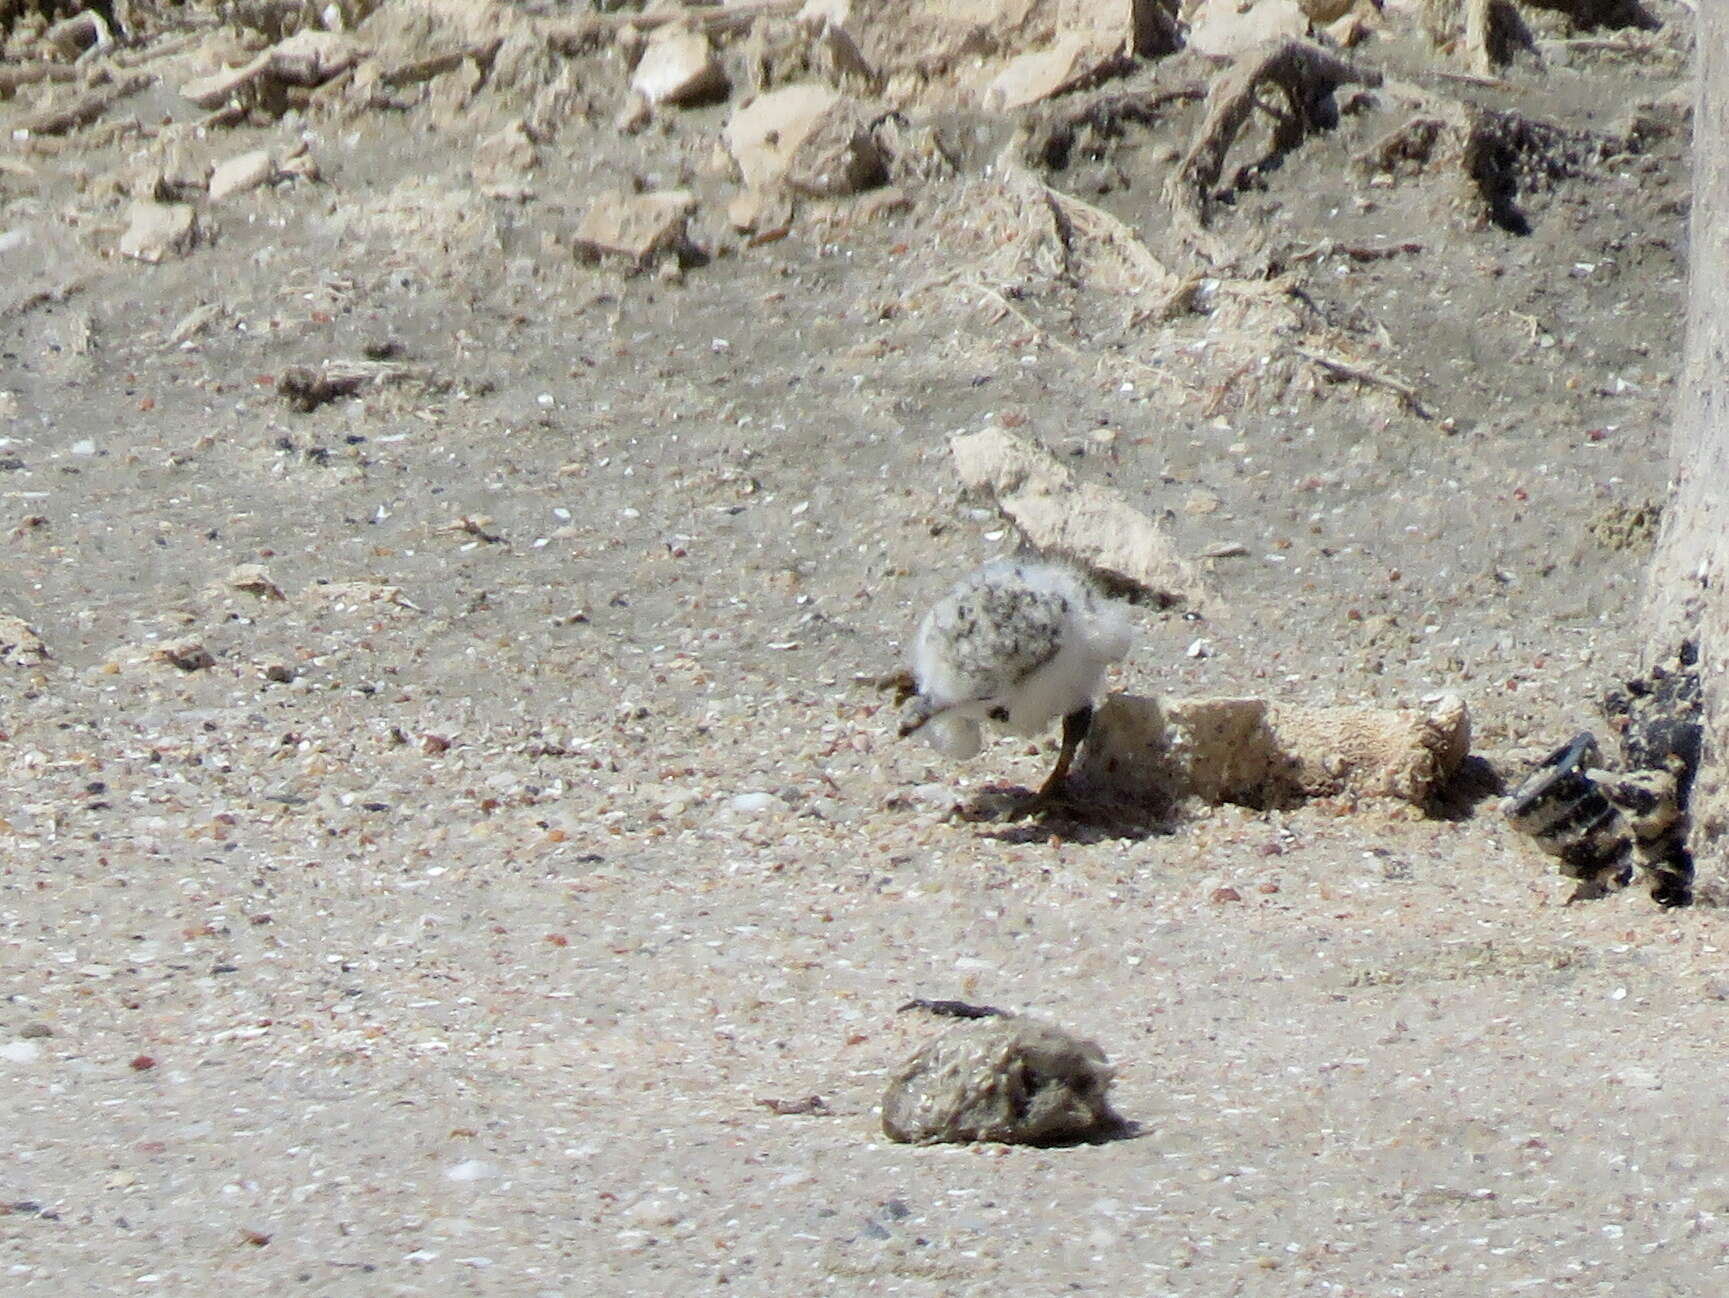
(1011, 813)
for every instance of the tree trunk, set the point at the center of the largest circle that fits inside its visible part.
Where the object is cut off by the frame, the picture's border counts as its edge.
(1688, 591)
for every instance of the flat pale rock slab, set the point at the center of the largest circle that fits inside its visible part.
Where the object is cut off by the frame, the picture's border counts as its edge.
(1259, 754)
(243, 172)
(1091, 525)
(678, 66)
(809, 137)
(1013, 1080)
(1066, 63)
(158, 231)
(638, 226)
(1224, 29)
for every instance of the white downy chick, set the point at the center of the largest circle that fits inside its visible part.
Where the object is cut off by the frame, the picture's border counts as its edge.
(1020, 643)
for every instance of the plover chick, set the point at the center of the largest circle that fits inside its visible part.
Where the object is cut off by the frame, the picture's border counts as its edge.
(1020, 643)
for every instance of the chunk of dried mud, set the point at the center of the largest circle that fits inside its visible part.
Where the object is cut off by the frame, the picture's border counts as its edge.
(1012, 1080)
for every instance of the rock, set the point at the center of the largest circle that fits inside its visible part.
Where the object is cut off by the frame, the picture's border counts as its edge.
(506, 155)
(20, 646)
(311, 57)
(633, 115)
(641, 227)
(356, 594)
(243, 172)
(1326, 11)
(754, 211)
(678, 66)
(471, 1169)
(904, 40)
(808, 137)
(1221, 29)
(188, 654)
(254, 579)
(158, 231)
(1378, 752)
(1158, 752)
(754, 804)
(1006, 1079)
(1028, 78)
(1092, 525)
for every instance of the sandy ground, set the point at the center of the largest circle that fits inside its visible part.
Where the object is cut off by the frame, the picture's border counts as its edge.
(445, 933)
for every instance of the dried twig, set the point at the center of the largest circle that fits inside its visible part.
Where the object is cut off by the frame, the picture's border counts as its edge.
(83, 110)
(426, 69)
(1363, 374)
(13, 75)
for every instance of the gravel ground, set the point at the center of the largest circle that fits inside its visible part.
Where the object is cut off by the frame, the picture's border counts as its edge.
(527, 822)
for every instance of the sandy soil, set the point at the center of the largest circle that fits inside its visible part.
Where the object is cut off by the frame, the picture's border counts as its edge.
(531, 827)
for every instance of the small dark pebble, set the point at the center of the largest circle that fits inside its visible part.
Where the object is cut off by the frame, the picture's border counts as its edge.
(224, 968)
(10, 464)
(305, 390)
(35, 1031)
(375, 806)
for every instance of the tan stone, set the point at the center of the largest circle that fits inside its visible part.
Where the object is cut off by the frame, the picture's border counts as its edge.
(241, 173)
(158, 231)
(1091, 525)
(1222, 29)
(809, 137)
(678, 66)
(641, 227)
(1028, 78)
(1259, 754)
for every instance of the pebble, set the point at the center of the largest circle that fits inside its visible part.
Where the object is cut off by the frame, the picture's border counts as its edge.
(472, 1169)
(754, 804)
(20, 1052)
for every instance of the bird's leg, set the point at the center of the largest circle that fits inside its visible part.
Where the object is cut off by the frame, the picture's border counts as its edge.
(1075, 728)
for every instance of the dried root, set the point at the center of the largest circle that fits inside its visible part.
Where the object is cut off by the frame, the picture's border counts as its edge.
(1306, 75)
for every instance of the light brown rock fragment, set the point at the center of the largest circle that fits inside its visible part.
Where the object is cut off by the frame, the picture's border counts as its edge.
(678, 66)
(254, 579)
(20, 646)
(508, 154)
(1012, 1080)
(1254, 753)
(808, 137)
(1091, 525)
(158, 231)
(243, 172)
(1027, 78)
(1405, 753)
(641, 227)
(1224, 28)
(188, 654)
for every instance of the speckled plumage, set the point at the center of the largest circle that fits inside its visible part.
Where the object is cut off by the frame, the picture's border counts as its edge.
(1019, 643)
